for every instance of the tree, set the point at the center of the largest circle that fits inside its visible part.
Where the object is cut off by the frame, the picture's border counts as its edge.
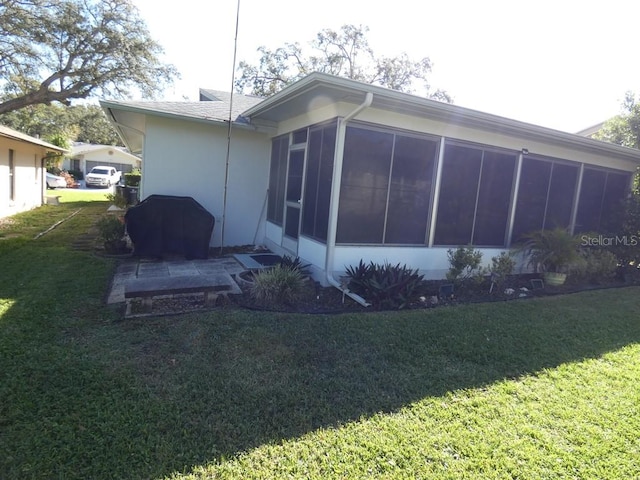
(344, 53)
(623, 129)
(56, 51)
(79, 123)
(93, 126)
(54, 159)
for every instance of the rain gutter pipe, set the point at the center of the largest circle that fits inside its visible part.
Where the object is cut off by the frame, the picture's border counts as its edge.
(335, 200)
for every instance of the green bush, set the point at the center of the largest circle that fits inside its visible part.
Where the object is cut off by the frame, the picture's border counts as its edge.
(385, 286)
(111, 231)
(119, 201)
(595, 265)
(551, 250)
(464, 264)
(295, 264)
(501, 267)
(278, 285)
(132, 179)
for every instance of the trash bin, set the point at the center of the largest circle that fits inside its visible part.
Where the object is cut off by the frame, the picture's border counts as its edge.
(131, 195)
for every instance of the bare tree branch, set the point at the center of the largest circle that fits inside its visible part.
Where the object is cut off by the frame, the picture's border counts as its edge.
(70, 49)
(343, 53)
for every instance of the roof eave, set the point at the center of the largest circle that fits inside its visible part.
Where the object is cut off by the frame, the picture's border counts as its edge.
(411, 104)
(48, 146)
(158, 113)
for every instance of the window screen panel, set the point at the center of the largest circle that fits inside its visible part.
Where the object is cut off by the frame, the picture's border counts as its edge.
(410, 190)
(458, 192)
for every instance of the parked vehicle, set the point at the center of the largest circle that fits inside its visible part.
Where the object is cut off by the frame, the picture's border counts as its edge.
(54, 181)
(102, 176)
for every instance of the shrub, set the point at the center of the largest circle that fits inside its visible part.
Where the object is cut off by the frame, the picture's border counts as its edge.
(132, 179)
(627, 251)
(111, 231)
(295, 264)
(551, 250)
(119, 201)
(464, 264)
(278, 285)
(385, 286)
(596, 265)
(502, 266)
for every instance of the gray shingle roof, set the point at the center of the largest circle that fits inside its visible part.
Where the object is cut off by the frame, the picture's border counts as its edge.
(214, 110)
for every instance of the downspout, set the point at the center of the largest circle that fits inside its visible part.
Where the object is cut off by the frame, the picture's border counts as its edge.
(335, 200)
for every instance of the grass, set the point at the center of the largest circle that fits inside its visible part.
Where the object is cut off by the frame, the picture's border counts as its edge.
(543, 388)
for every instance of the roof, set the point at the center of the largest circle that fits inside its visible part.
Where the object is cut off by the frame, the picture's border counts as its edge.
(211, 111)
(88, 148)
(241, 101)
(592, 130)
(320, 89)
(23, 137)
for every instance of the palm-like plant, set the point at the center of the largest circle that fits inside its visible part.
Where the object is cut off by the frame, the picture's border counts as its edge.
(551, 250)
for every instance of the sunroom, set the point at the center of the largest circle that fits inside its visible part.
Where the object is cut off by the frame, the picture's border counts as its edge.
(362, 172)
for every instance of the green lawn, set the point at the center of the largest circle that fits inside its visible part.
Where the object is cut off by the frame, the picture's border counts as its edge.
(543, 388)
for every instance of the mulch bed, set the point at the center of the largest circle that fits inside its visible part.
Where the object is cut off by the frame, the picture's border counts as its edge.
(328, 300)
(317, 299)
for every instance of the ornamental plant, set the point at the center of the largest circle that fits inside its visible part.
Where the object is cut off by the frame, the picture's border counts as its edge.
(386, 286)
(551, 250)
(465, 263)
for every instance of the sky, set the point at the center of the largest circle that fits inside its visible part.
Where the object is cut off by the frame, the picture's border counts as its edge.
(561, 64)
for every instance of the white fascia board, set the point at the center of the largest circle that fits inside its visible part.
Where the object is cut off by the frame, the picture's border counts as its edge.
(386, 99)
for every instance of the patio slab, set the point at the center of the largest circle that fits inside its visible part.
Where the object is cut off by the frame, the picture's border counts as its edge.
(159, 270)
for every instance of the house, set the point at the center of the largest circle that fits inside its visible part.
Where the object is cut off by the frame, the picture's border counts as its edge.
(84, 156)
(22, 171)
(592, 130)
(333, 170)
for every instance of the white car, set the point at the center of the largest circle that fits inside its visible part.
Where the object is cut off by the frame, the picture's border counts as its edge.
(54, 181)
(102, 176)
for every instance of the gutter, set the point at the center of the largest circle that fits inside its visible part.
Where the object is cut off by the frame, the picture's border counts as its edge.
(335, 200)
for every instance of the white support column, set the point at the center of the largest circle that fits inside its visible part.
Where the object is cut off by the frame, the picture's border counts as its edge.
(514, 200)
(436, 193)
(576, 200)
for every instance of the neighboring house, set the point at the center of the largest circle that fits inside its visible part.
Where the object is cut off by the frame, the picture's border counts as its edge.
(207, 95)
(22, 171)
(333, 170)
(591, 131)
(85, 156)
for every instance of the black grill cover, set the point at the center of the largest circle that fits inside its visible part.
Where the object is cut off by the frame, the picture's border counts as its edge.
(164, 224)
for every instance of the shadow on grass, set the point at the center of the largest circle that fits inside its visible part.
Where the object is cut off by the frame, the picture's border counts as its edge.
(88, 395)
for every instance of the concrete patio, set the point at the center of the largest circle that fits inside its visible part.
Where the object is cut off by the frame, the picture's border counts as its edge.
(139, 268)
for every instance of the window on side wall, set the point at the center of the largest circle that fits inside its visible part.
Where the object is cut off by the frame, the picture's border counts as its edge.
(319, 177)
(475, 194)
(545, 196)
(277, 179)
(600, 204)
(386, 187)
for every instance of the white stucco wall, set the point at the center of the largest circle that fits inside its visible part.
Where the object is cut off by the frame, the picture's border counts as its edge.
(29, 186)
(188, 159)
(432, 262)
